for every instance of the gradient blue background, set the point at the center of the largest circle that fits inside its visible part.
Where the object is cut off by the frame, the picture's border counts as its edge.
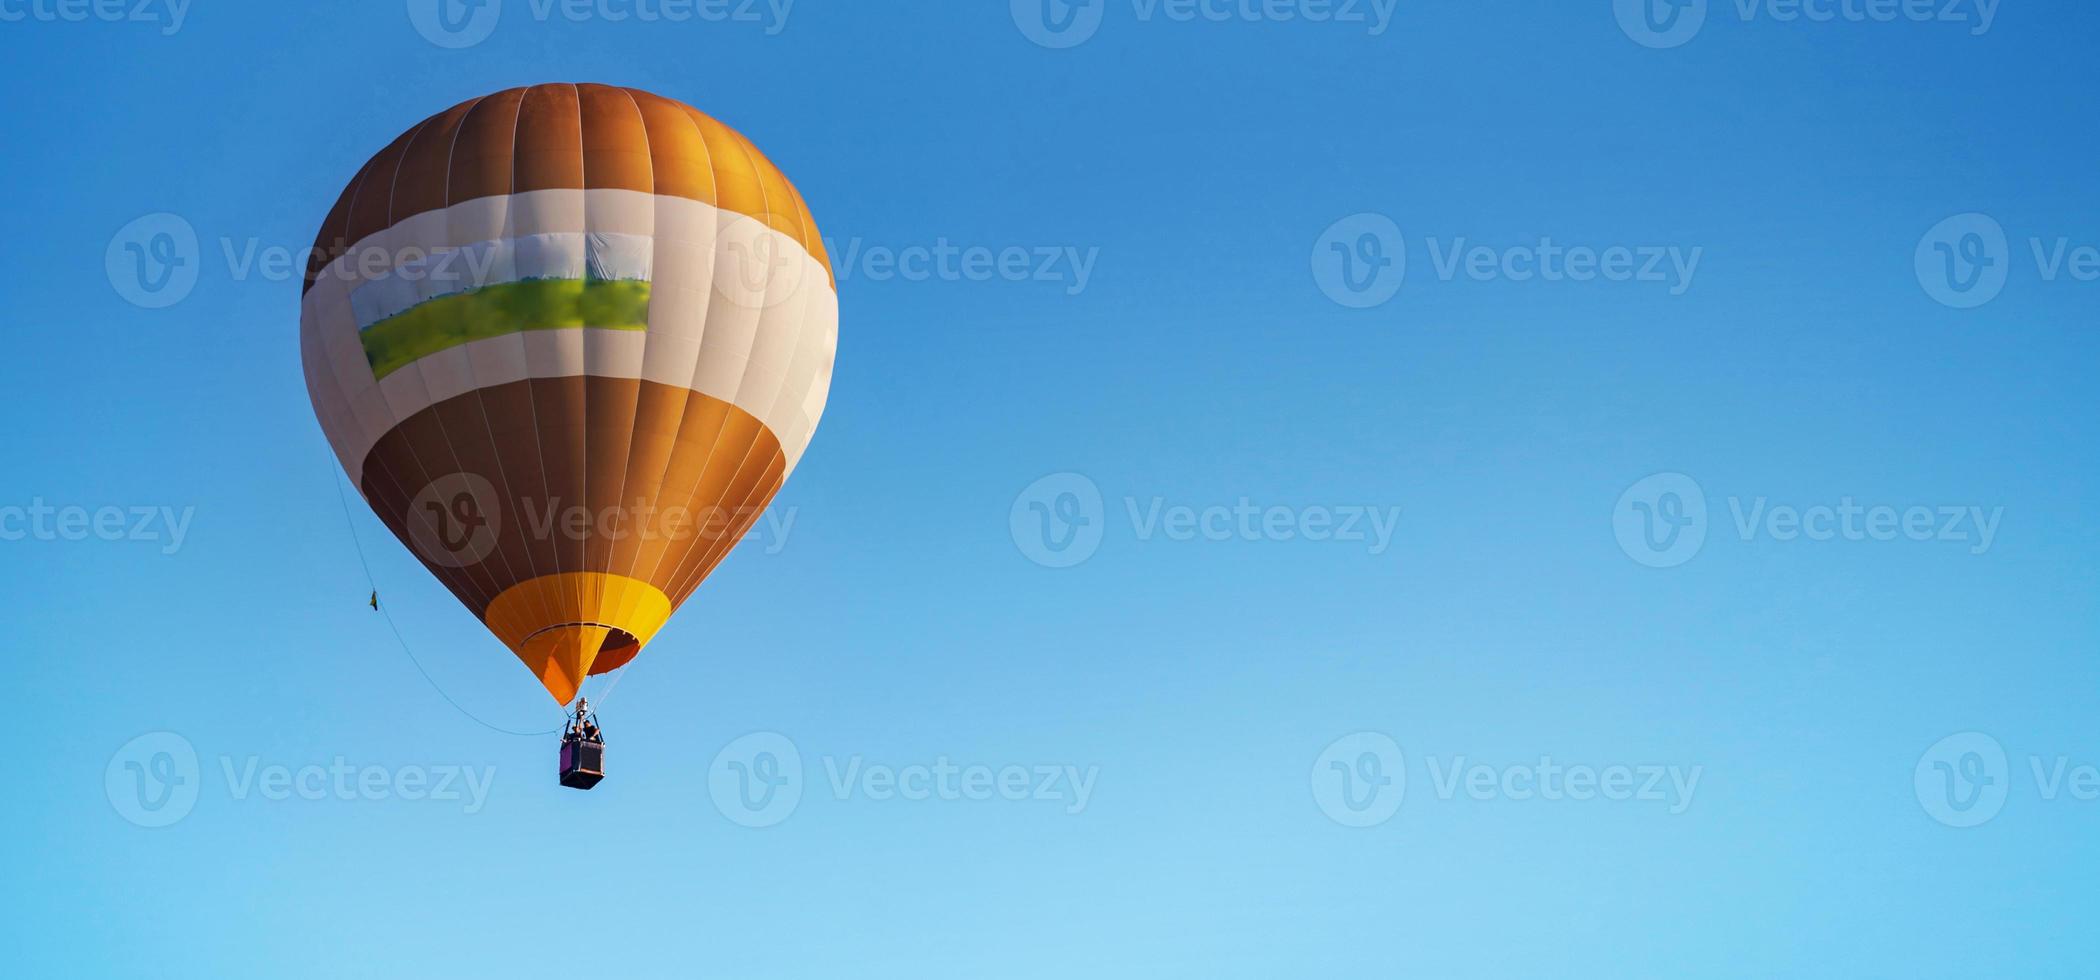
(901, 623)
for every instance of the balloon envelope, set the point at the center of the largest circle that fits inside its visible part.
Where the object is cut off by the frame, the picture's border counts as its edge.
(568, 341)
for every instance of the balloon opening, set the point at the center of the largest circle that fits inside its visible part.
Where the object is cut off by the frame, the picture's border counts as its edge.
(619, 647)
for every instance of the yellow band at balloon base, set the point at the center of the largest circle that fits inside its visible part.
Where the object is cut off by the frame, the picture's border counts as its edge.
(563, 625)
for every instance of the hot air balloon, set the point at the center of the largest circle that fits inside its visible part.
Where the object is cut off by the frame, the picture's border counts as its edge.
(568, 341)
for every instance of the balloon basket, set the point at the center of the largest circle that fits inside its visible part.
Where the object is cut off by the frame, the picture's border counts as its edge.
(582, 762)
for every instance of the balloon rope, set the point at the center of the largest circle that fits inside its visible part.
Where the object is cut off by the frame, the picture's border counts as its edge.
(605, 696)
(350, 523)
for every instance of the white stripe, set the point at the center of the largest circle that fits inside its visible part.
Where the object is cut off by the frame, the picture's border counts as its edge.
(738, 311)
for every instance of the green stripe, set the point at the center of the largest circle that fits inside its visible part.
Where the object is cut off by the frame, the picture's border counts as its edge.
(504, 308)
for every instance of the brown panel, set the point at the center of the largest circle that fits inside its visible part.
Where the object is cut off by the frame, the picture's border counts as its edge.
(559, 406)
(481, 156)
(711, 494)
(429, 444)
(721, 457)
(550, 140)
(419, 184)
(678, 154)
(753, 508)
(814, 239)
(782, 210)
(507, 456)
(393, 476)
(657, 412)
(333, 238)
(736, 176)
(513, 424)
(609, 405)
(472, 448)
(700, 428)
(371, 207)
(757, 480)
(615, 142)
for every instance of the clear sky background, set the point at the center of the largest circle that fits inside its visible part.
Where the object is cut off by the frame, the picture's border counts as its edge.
(1202, 686)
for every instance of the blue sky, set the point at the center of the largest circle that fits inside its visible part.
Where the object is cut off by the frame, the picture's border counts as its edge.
(1250, 742)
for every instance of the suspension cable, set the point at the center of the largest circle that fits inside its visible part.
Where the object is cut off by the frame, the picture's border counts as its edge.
(335, 476)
